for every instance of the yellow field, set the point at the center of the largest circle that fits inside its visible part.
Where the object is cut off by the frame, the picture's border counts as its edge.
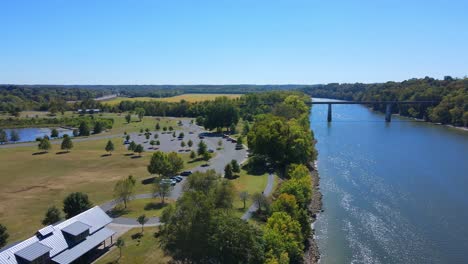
(186, 97)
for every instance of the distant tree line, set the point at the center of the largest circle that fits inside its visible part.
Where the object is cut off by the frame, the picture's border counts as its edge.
(451, 95)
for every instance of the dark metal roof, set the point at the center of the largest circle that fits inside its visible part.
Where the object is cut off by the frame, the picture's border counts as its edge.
(46, 230)
(79, 250)
(33, 251)
(76, 228)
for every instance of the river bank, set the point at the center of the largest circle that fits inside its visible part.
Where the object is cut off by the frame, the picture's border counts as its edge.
(312, 254)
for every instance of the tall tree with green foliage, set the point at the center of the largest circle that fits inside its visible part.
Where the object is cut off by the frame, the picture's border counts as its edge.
(120, 244)
(110, 147)
(132, 146)
(221, 113)
(142, 220)
(76, 203)
(84, 129)
(54, 133)
(3, 136)
(202, 148)
(3, 235)
(176, 163)
(98, 127)
(14, 136)
(44, 145)
(67, 143)
(139, 149)
(52, 216)
(124, 190)
(228, 171)
(244, 196)
(128, 118)
(235, 166)
(159, 164)
(161, 189)
(283, 234)
(140, 112)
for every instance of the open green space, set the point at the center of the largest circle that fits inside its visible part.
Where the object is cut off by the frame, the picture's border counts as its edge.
(137, 250)
(149, 207)
(30, 183)
(172, 99)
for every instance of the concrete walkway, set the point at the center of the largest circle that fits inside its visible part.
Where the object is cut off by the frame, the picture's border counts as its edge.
(268, 189)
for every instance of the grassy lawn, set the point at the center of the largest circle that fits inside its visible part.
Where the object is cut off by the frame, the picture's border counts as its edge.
(149, 207)
(186, 97)
(29, 183)
(137, 251)
(251, 184)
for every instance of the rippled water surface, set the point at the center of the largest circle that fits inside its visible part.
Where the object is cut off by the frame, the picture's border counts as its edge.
(393, 192)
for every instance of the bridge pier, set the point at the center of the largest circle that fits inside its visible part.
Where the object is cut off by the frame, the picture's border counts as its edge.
(329, 116)
(388, 113)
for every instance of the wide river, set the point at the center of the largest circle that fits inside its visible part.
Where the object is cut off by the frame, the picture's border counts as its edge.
(392, 192)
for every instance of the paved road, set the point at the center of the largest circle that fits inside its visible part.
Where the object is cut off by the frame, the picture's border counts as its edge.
(268, 189)
(168, 143)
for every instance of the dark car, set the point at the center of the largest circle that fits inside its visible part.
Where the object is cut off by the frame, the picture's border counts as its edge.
(185, 173)
(201, 137)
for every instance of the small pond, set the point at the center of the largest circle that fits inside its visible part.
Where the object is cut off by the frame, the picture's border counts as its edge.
(31, 133)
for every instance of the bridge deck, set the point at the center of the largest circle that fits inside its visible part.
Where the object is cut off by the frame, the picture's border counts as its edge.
(373, 102)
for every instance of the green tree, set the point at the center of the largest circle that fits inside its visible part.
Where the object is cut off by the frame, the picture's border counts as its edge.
(67, 143)
(260, 201)
(3, 136)
(164, 129)
(235, 166)
(158, 127)
(44, 145)
(173, 134)
(54, 133)
(52, 216)
(76, 203)
(190, 143)
(139, 149)
(181, 135)
(98, 127)
(110, 147)
(132, 146)
(221, 113)
(124, 190)
(245, 128)
(283, 234)
(76, 132)
(228, 171)
(14, 136)
(206, 156)
(140, 112)
(128, 118)
(84, 129)
(176, 163)
(161, 189)
(182, 144)
(147, 136)
(120, 244)
(159, 164)
(156, 135)
(192, 154)
(142, 220)
(127, 138)
(202, 148)
(244, 196)
(3, 235)
(171, 128)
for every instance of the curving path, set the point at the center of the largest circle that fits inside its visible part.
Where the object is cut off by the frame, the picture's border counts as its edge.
(266, 192)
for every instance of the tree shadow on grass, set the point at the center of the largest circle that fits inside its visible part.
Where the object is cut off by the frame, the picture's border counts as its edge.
(137, 235)
(195, 160)
(39, 153)
(118, 211)
(136, 157)
(62, 152)
(106, 155)
(128, 154)
(255, 166)
(155, 206)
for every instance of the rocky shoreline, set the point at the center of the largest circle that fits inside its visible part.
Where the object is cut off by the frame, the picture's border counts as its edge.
(312, 254)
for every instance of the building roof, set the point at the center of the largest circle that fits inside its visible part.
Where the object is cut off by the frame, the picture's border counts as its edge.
(79, 250)
(76, 228)
(95, 218)
(46, 230)
(33, 251)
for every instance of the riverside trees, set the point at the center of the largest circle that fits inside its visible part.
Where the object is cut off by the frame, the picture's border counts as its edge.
(209, 233)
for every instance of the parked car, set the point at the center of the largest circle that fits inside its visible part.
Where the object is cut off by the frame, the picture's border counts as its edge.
(186, 173)
(171, 182)
(201, 137)
(178, 178)
(210, 151)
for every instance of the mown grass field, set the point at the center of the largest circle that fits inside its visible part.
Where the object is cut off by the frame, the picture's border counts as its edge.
(177, 98)
(149, 207)
(137, 251)
(29, 183)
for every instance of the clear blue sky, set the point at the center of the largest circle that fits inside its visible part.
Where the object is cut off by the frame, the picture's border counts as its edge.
(231, 42)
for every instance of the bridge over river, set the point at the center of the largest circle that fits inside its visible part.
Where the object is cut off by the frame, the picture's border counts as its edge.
(388, 109)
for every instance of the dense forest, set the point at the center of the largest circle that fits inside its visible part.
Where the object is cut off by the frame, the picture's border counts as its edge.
(451, 95)
(17, 98)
